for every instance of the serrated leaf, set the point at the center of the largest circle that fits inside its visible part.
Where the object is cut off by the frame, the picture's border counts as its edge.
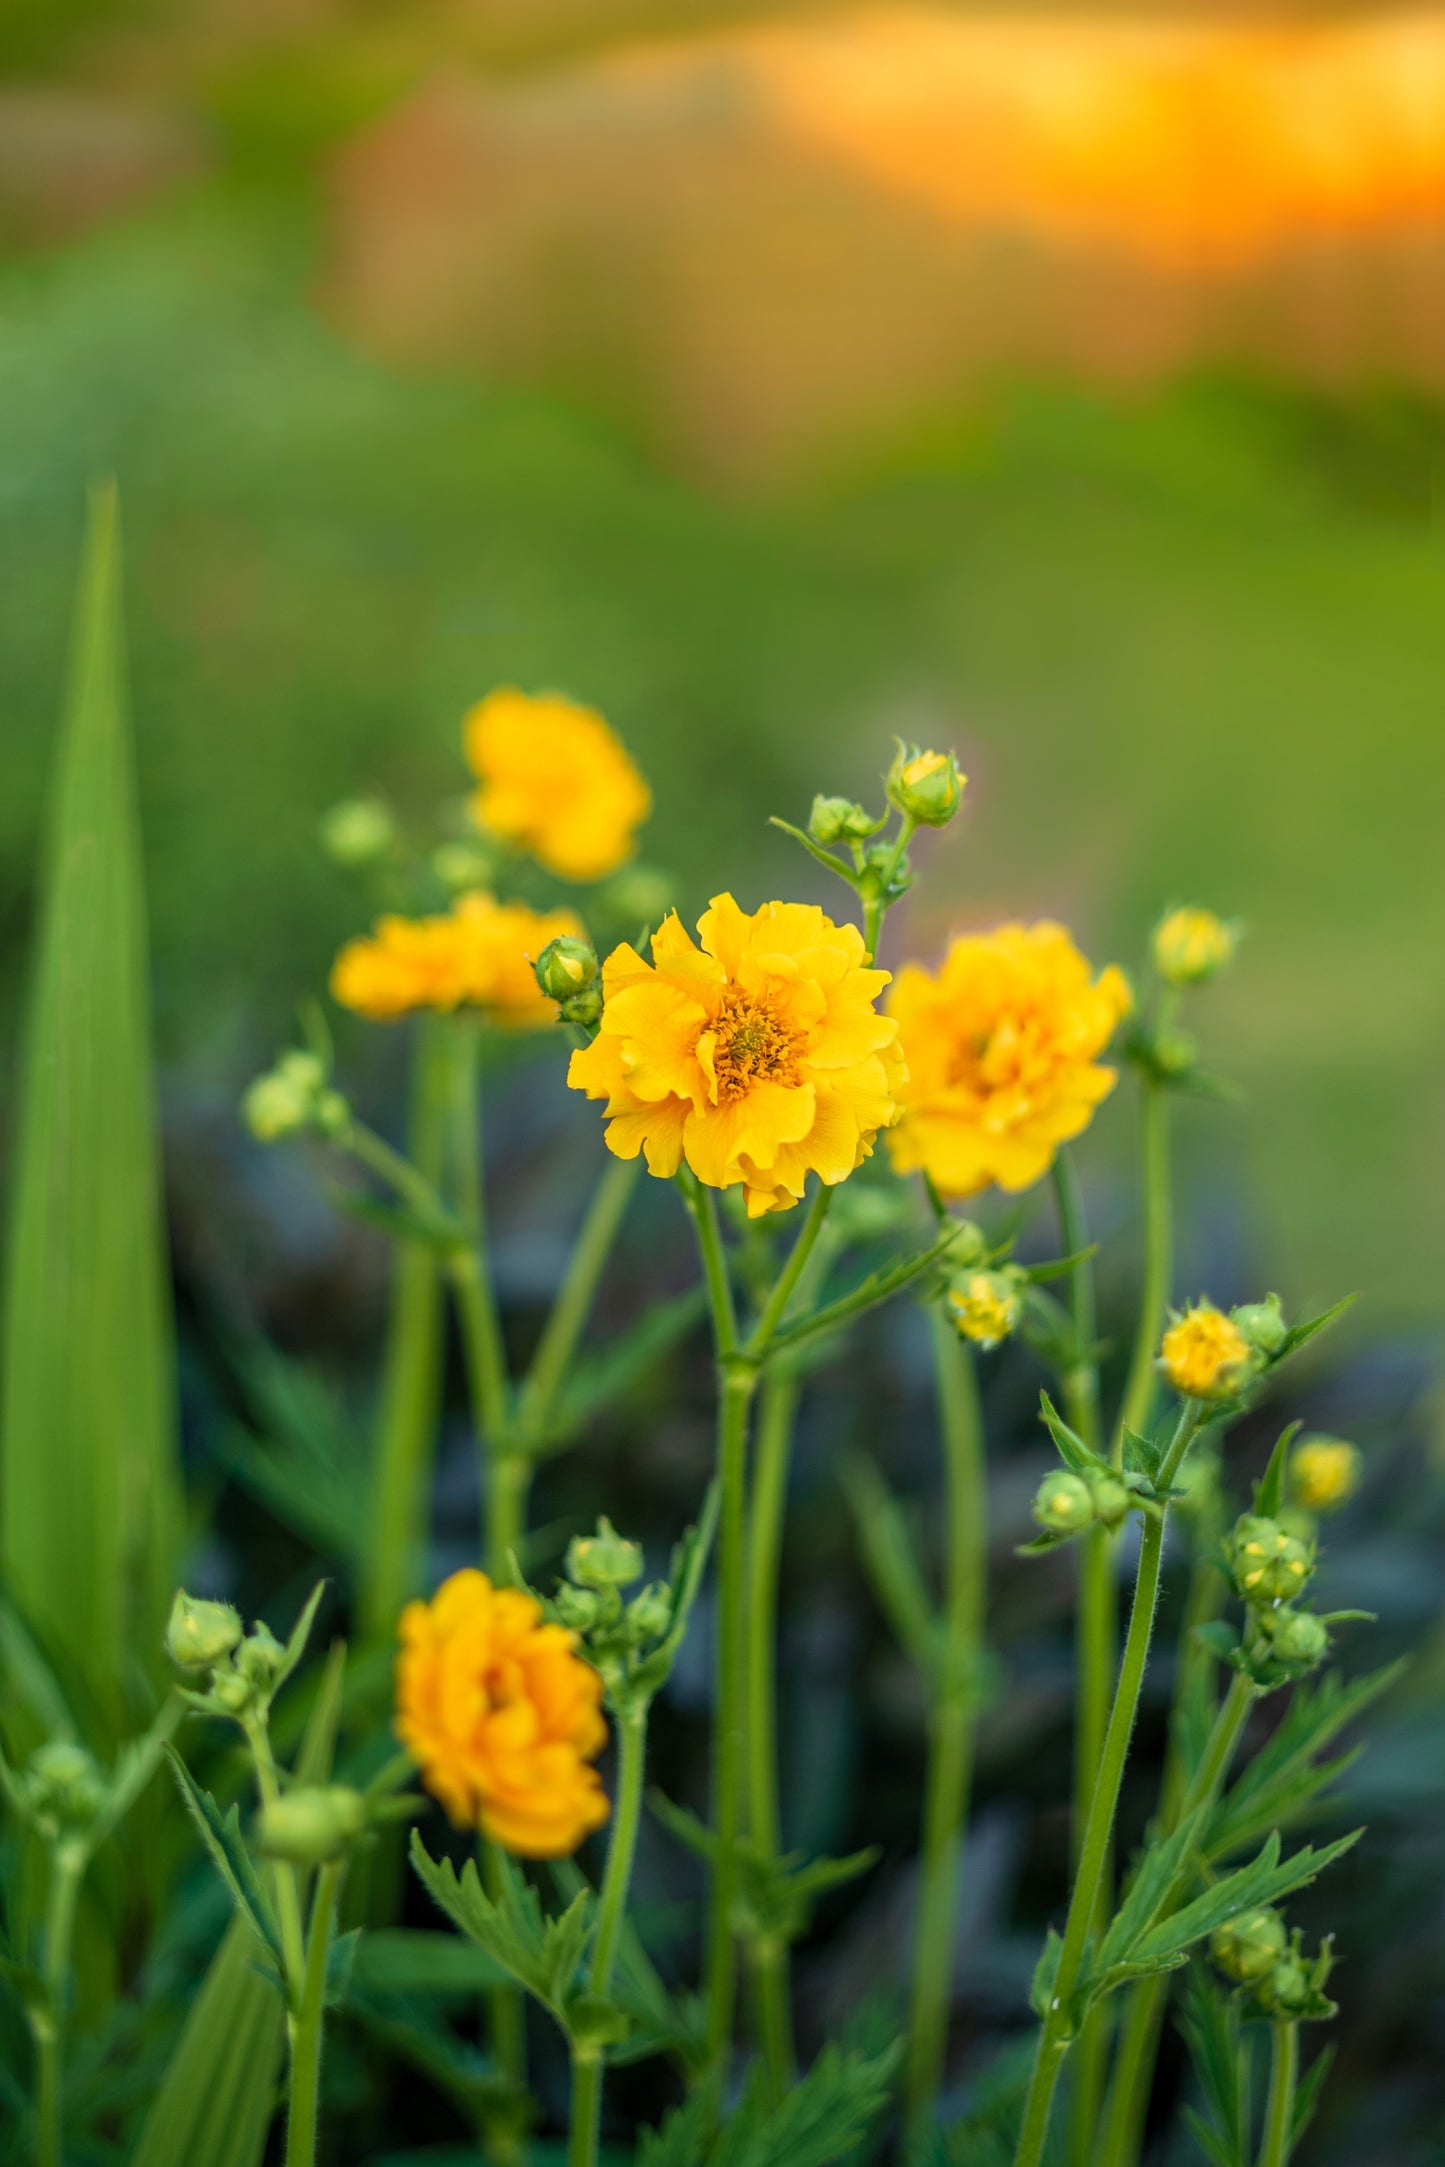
(1142, 1455)
(541, 1954)
(1264, 1881)
(90, 1506)
(824, 2116)
(1283, 1780)
(1160, 1864)
(402, 1961)
(891, 1562)
(1300, 1335)
(411, 2030)
(216, 2098)
(221, 1835)
(880, 1286)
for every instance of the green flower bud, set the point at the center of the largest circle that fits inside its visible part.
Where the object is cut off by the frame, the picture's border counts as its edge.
(603, 1560)
(839, 820)
(1288, 1989)
(272, 1109)
(1297, 1637)
(1063, 1505)
(1250, 1946)
(1191, 946)
(259, 1657)
(650, 1613)
(64, 1785)
(359, 831)
(311, 1825)
(198, 1633)
(1269, 1565)
(1113, 1499)
(1262, 1324)
(925, 786)
(461, 866)
(231, 1694)
(967, 1247)
(566, 967)
(1173, 1053)
(576, 1607)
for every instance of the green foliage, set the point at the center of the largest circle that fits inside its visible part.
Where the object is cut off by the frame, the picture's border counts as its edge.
(1284, 1782)
(543, 1955)
(216, 2099)
(823, 2117)
(221, 1835)
(890, 1558)
(89, 1503)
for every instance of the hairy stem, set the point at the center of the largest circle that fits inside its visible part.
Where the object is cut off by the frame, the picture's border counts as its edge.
(587, 2061)
(1279, 2108)
(305, 2090)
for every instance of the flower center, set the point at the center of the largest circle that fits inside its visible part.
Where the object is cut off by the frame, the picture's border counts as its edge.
(751, 1047)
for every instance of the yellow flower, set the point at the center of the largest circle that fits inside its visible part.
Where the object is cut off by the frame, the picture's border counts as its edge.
(759, 1057)
(1002, 1049)
(554, 781)
(1204, 1354)
(501, 1716)
(1190, 946)
(479, 954)
(985, 1306)
(1324, 1472)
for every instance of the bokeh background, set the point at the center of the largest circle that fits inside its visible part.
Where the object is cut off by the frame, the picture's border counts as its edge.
(1063, 385)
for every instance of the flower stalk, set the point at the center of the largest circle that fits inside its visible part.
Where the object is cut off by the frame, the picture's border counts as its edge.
(587, 2058)
(306, 2031)
(1279, 2107)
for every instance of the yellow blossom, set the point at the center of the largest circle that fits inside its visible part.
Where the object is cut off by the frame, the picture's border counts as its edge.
(1002, 1048)
(1204, 1355)
(757, 1057)
(555, 781)
(502, 1717)
(1324, 1472)
(985, 1306)
(1190, 946)
(479, 954)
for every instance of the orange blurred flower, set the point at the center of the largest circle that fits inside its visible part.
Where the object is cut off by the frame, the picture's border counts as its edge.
(479, 954)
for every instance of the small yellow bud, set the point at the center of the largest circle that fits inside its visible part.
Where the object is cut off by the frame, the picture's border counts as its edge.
(986, 1306)
(926, 786)
(1191, 946)
(311, 1825)
(1269, 1564)
(198, 1633)
(359, 831)
(1249, 1947)
(1063, 1505)
(273, 1108)
(1324, 1473)
(1205, 1356)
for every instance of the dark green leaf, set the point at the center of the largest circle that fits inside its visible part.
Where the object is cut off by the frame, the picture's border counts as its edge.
(216, 2099)
(221, 1836)
(1264, 1881)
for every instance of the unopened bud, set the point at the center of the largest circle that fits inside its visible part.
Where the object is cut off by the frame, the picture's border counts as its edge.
(603, 1560)
(1269, 1565)
(1288, 1990)
(1261, 1324)
(650, 1612)
(1191, 946)
(358, 832)
(1249, 1947)
(986, 1306)
(839, 820)
(1112, 1498)
(576, 1607)
(1063, 1505)
(566, 967)
(1297, 1637)
(925, 786)
(272, 1109)
(311, 1825)
(1324, 1473)
(260, 1656)
(198, 1633)
(967, 1246)
(64, 1785)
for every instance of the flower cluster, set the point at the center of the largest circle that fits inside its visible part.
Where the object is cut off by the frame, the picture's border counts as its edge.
(502, 1716)
(755, 1054)
(554, 781)
(479, 954)
(1002, 1045)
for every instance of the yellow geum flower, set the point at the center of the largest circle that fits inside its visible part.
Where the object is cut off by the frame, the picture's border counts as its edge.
(1324, 1473)
(1190, 946)
(1204, 1355)
(479, 954)
(1001, 1045)
(501, 1716)
(555, 781)
(758, 1057)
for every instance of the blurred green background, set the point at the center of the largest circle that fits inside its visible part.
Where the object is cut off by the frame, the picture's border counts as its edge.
(1187, 635)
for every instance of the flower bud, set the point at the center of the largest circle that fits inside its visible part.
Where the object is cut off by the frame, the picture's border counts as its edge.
(1112, 1498)
(230, 1693)
(64, 1785)
(603, 1560)
(308, 1826)
(925, 786)
(1191, 946)
(650, 1612)
(461, 867)
(259, 1657)
(1205, 1356)
(198, 1633)
(986, 1306)
(1269, 1565)
(839, 820)
(577, 1608)
(967, 1246)
(566, 966)
(1250, 1946)
(1297, 1637)
(1063, 1505)
(272, 1108)
(358, 832)
(1174, 1053)
(1261, 1324)
(1288, 1989)
(1324, 1473)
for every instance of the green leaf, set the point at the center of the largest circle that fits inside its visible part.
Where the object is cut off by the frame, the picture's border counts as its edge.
(541, 1954)
(1269, 1490)
(891, 1562)
(1072, 1450)
(823, 2117)
(221, 1836)
(90, 1510)
(440, 1232)
(402, 1961)
(340, 1963)
(1284, 1780)
(300, 1634)
(298, 1453)
(1142, 1455)
(1046, 1971)
(878, 1287)
(1264, 1881)
(1160, 1864)
(215, 2101)
(1300, 1335)
(318, 1741)
(689, 1562)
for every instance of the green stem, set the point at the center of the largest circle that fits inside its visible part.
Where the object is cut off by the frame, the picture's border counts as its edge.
(411, 1374)
(287, 1886)
(506, 2012)
(735, 1400)
(1154, 1290)
(504, 1475)
(792, 1271)
(67, 1866)
(568, 1319)
(768, 1955)
(1055, 2032)
(875, 896)
(1279, 2109)
(1080, 1382)
(587, 2062)
(952, 1718)
(306, 2034)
